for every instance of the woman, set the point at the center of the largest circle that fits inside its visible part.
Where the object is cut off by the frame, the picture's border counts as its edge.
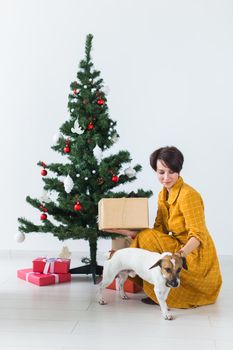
(180, 227)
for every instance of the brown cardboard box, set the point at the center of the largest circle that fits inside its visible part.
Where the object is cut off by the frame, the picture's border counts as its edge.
(121, 242)
(123, 213)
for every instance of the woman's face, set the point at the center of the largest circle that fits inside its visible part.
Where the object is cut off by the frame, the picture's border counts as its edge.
(166, 176)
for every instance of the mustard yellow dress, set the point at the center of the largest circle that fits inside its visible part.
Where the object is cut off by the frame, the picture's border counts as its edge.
(178, 219)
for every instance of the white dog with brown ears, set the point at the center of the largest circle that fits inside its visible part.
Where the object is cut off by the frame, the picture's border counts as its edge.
(161, 270)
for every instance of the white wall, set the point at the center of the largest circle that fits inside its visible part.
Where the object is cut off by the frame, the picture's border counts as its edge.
(169, 67)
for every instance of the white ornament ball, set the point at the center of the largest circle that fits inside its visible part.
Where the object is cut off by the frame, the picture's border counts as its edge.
(19, 237)
(93, 171)
(85, 86)
(86, 178)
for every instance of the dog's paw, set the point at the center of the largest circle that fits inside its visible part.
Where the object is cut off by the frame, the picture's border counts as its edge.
(169, 317)
(102, 302)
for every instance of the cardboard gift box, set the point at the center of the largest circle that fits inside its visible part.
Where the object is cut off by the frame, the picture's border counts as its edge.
(123, 213)
(129, 286)
(121, 242)
(51, 265)
(41, 279)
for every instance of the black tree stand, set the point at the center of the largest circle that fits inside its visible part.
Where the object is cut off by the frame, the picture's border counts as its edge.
(91, 268)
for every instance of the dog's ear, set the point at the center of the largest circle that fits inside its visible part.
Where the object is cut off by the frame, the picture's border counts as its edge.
(185, 266)
(158, 263)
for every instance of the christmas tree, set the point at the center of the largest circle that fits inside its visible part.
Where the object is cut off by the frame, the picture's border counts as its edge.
(86, 176)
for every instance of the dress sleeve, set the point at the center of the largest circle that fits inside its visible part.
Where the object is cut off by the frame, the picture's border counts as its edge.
(192, 209)
(159, 222)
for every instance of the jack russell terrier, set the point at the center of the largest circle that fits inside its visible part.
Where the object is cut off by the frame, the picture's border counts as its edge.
(161, 270)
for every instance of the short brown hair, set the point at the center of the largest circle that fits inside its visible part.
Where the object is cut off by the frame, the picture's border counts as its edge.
(170, 156)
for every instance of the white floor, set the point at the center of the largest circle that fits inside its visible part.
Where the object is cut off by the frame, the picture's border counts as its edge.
(66, 316)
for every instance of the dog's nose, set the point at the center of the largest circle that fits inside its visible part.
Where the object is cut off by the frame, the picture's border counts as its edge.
(174, 283)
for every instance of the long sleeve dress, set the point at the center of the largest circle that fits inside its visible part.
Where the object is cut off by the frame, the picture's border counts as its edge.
(178, 219)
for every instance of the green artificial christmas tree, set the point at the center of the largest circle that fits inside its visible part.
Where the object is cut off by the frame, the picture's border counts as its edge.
(86, 176)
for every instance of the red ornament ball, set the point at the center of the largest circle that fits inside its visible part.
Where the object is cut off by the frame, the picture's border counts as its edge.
(115, 178)
(77, 206)
(67, 149)
(44, 172)
(100, 102)
(90, 126)
(43, 216)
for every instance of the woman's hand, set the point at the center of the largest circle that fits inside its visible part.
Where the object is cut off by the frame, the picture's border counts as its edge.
(191, 245)
(130, 233)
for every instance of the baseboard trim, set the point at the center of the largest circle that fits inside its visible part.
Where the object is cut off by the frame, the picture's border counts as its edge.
(14, 254)
(31, 254)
